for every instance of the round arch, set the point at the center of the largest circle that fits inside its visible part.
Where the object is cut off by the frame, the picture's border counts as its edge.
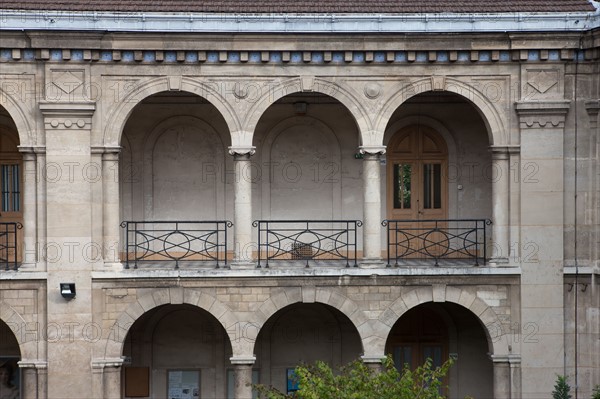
(365, 327)
(486, 316)
(18, 115)
(297, 85)
(114, 128)
(16, 323)
(492, 119)
(171, 296)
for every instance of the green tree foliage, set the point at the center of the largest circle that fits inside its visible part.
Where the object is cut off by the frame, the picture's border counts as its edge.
(596, 392)
(358, 381)
(561, 389)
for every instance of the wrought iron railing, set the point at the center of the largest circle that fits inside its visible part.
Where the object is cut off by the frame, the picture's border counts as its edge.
(307, 240)
(159, 241)
(452, 239)
(9, 245)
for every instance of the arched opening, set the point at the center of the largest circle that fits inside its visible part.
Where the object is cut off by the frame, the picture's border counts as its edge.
(307, 171)
(176, 350)
(10, 374)
(176, 181)
(439, 177)
(11, 190)
(304, 333)
(439, 331)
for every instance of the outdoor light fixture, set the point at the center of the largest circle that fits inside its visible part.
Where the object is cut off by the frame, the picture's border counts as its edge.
(67, 290)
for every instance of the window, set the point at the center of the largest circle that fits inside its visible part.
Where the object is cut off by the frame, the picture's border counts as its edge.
(11, 188)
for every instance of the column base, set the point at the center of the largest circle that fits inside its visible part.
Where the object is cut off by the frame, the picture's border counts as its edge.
(242, 265)
(28, 267)
(498, 262)
(116, 266)
(371, 263)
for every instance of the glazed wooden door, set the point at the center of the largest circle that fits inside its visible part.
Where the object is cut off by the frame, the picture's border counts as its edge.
(417, 188)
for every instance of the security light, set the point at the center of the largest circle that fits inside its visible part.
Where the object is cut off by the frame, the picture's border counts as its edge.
(67, 290)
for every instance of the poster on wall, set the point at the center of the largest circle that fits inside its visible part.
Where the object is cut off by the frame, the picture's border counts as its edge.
(183, 384)
(10, 378)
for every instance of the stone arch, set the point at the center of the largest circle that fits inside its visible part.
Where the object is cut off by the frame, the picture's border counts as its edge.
(22, 122)
(488, 319)
(494, 123)
(118, 118)
(366, 328)
(17, 324)
(170, 296)
(298, 85)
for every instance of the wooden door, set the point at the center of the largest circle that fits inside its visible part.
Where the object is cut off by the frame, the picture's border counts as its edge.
(417, 189)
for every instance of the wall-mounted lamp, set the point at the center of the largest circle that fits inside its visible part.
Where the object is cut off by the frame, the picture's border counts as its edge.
(67, 290)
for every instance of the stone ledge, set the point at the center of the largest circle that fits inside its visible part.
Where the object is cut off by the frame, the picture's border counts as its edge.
(272, 272)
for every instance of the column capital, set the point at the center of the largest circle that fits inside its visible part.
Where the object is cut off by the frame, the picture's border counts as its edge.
(372, 149)
(370, 359)
(106, 150)
(557, 107)
(510, 358)
(504, 149)
(32, 364)
(592, 107)
(243, 360)
(109, 362)
(542, 114)
(71, 108)
(242, 151)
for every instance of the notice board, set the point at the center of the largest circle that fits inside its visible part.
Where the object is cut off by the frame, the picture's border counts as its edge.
(183, 384)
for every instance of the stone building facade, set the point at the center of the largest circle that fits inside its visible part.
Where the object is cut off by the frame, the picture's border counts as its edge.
(232, 192)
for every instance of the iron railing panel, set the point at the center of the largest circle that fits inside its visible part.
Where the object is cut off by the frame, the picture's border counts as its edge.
(451, 239)
(9, 246)
(307, 240)
(176, 241)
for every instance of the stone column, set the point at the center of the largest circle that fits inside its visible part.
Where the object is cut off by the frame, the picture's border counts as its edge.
(372, 206)
(112, 381)
(41, 207)
(33, 380)
(30, 243)
(106, 383)
(501, 377)
(242, 208)
(242, 372)
(110, 207)
(515, 376)
(500, 205)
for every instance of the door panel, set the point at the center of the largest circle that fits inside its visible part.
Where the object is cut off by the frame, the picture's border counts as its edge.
(417, 190)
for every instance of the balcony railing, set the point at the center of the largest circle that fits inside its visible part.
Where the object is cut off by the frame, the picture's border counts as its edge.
(318, 241)
(9, 255)
(460, 240)
(191, 241)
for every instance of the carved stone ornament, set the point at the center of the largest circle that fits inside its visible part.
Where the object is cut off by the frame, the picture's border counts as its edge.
(372, 90)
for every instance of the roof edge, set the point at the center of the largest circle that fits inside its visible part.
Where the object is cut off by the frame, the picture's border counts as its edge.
(297, 23)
